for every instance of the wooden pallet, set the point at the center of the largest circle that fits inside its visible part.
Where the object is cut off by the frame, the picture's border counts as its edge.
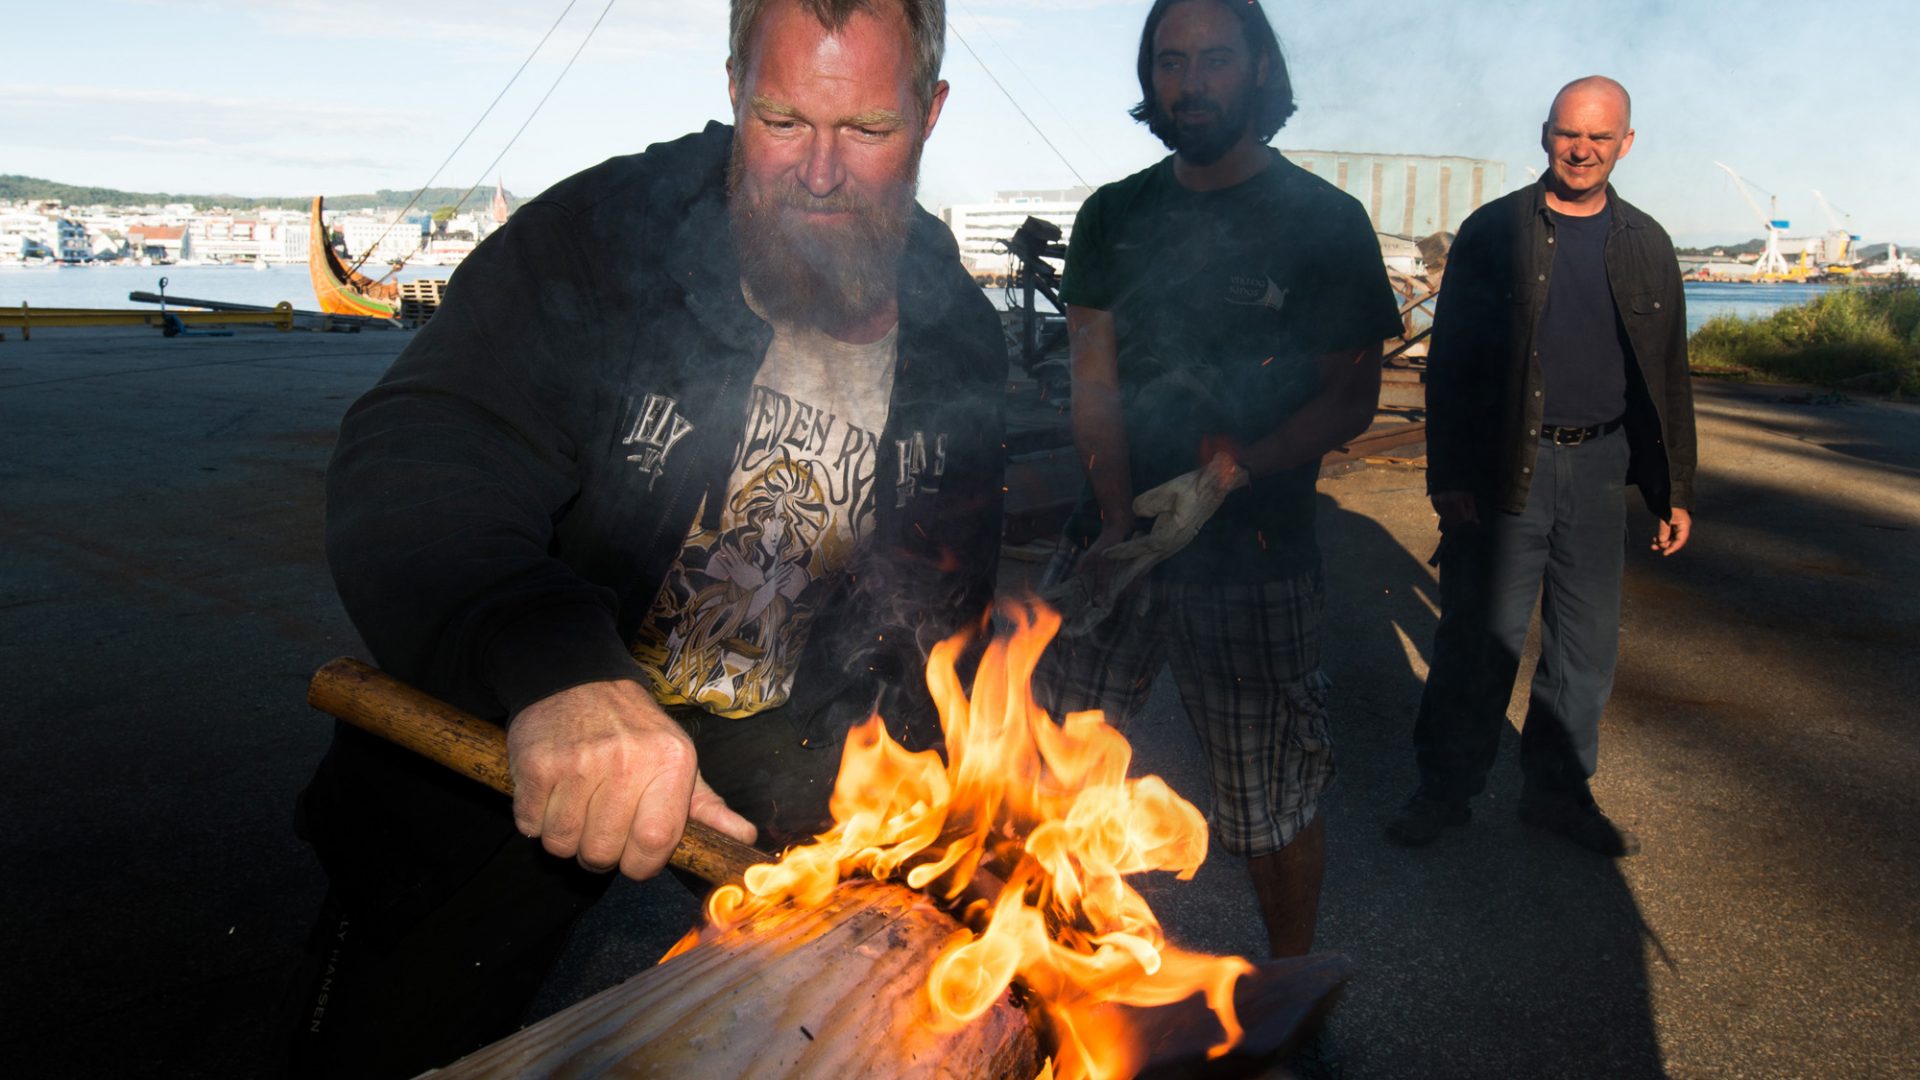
(420, 299)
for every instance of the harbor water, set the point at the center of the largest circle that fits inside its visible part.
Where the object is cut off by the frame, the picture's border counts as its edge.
(1707, 299)
(108, 286)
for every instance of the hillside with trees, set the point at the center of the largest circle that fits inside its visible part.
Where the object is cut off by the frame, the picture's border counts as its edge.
(29, 189)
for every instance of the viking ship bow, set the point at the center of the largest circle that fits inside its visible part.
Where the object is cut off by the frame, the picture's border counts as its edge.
(342, 291)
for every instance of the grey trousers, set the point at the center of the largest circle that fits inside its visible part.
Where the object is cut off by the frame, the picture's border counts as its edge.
(1568, 549)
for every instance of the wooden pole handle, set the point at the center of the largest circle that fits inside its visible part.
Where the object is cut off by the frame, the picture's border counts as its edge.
(374, 701)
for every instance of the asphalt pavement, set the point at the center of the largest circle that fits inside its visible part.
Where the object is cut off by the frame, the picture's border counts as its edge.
(163, 600)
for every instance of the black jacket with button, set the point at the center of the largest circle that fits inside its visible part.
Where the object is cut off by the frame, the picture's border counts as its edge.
(1484, 387)
(498, 536)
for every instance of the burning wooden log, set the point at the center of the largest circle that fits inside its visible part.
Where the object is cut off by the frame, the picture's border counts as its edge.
(829, 992)
(833, 991)
(832, 962)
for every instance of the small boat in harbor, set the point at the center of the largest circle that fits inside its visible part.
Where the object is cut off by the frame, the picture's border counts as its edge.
(339, 289)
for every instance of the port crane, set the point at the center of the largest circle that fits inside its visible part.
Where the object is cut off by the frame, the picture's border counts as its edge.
(1772, 265)
(1841, 239)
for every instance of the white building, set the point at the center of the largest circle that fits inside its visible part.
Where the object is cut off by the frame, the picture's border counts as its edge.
(160, 243)
(1723, 270)
(1896, 265)
(108, 243)
(388, 240)
(271, 236)
(225, 238)
(479, 224)
(444, 252)
(70, 242)
(20, 238)
(288, 241)
(35, 236)
(982, 229)
(1410, 195)
(1407, 195)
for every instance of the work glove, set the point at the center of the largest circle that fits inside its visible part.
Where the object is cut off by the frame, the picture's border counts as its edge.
(1179, 508)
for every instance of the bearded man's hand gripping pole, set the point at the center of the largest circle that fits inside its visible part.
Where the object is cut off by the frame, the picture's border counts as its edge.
(602, 775)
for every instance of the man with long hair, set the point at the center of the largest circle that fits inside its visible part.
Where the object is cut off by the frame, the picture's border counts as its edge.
(1227, 309)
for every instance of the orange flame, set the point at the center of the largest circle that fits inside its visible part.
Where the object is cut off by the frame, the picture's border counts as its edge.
(1051, 800)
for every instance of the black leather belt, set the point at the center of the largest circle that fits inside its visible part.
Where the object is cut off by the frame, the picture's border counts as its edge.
(1574, 436)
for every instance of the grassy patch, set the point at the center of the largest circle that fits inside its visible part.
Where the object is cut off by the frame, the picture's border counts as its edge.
(1842, 337)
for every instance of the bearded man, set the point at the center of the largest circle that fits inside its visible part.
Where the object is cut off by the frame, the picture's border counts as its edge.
(703, 443)
(1227, 310)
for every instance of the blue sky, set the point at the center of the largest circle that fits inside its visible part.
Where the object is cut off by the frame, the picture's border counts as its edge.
(293, 97)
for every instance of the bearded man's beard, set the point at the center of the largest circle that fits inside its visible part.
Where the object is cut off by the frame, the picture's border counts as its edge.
(1203, 144)
(820, 274)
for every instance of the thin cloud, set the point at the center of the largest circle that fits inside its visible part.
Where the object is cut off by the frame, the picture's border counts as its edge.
(306, 157)
(162, 144)
(632, 27)
(1135, 8)
(47, 95)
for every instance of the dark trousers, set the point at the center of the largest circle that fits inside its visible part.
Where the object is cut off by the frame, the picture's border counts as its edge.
(374, 999)
(1568, 549)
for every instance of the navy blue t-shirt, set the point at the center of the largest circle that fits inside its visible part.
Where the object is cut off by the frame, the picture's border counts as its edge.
(1582, 345)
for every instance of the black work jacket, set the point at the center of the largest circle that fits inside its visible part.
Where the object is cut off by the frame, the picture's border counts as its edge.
(504, 506)
(1484, 387)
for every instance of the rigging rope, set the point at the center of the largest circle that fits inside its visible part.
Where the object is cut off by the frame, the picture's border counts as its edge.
(1016, 107)
(1040, 92)
(463, 140)
(536, 109)
(569, 67)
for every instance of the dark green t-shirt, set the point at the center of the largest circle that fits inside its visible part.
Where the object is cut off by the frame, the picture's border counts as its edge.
(1222, 302)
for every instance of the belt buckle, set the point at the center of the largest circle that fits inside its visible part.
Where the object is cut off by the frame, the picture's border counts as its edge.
(1565, 436)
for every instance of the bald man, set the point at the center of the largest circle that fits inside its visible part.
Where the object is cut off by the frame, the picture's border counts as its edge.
(1558, 375)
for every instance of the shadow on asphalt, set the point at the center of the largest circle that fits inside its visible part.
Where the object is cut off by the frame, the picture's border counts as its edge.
(1497, 950)
(1792, 701)
(164, 601)
(1765, 671)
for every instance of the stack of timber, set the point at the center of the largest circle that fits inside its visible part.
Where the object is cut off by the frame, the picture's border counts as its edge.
(420, 299)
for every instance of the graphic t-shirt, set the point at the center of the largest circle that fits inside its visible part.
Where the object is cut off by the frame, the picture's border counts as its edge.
(1222, 303)
(730, 622)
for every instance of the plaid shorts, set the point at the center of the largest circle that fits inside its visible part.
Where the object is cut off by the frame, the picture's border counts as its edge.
(1246, 659)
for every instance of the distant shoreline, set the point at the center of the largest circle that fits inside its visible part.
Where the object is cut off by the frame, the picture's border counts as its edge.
(107, 286)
